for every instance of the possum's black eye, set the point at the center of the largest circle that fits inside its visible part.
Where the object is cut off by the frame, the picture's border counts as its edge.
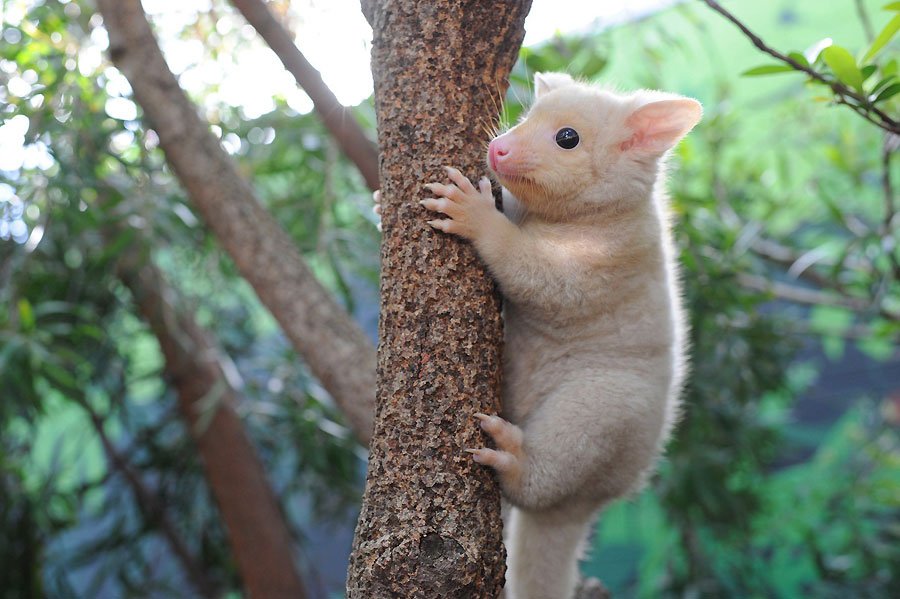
(567, 138)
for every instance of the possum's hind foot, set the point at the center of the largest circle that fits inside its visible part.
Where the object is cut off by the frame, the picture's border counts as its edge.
(506, 459)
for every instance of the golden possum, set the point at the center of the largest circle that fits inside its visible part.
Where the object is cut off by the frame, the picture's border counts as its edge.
(595, 334)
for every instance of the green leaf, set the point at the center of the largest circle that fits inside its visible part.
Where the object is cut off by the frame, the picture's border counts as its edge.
(768, 69)
(884, 37)
(831, 320)
(844, 66)
(882, 83)
(59, 376)
(867, 71)
(54, 307)
(877, 349)
(797, 57)
(888, 92)
(890, 68)
(891, 6)
(26, 314)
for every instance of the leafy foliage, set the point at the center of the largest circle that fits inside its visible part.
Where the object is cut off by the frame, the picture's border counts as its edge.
(835, 67)
(93, 196)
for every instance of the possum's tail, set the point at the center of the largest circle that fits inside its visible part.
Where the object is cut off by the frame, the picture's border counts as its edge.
(543, 550)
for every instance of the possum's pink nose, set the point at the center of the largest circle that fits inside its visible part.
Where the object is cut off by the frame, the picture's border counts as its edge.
(497, 149)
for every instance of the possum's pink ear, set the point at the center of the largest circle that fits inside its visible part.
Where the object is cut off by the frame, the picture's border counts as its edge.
(658, 126)
(545, 82)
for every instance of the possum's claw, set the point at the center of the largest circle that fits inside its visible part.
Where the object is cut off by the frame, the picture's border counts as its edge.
(501, 461)
(508, 437)
(471, 210)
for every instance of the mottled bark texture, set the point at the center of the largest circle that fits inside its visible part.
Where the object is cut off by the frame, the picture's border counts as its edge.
(253, 518)
(338, 119)
(335, 348)
(430, 523)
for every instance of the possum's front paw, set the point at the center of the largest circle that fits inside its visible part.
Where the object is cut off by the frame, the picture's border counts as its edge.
(469, 209)
(506, 459)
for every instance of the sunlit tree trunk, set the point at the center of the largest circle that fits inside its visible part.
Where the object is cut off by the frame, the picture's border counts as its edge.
(430, 523)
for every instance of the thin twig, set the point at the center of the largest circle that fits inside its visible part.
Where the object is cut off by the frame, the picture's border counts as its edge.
(864, 106)
(864, 19)
(800, 295)
(788, 257)
(890, 209)
(890, 206)
(150, 507)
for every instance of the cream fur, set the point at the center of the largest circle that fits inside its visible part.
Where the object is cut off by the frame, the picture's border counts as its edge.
(595, 334)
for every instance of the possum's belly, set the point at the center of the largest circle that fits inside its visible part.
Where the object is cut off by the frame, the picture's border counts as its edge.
(593, 371)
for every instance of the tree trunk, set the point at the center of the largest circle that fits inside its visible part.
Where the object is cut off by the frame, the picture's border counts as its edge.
(430, 523)
(331, 343)
(256, 525)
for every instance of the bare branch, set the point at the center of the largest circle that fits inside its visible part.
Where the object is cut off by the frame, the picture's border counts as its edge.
(150, 507)
(890, 208)
(800, 295)
(255, 522)
(864, 19)
(790, 258)
(339, 120)
(891, 143)
(862, 107)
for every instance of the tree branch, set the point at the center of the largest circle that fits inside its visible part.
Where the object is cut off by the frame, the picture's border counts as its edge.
(864, 19)
(150, 507)
(891, 143)
(332, 344)
(887, 189)
(338, 119)
(252, 516)
(863, 106)
(800, 295)
(789, 258)
(430, 521)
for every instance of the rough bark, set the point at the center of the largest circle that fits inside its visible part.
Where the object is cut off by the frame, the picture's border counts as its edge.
(338, 119)
(256, 525)
(430, 523)
(335, 348)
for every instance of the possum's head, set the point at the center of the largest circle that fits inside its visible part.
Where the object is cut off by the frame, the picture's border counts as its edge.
(581, 146)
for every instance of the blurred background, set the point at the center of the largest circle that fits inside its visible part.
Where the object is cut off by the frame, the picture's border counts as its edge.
(783, 480)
